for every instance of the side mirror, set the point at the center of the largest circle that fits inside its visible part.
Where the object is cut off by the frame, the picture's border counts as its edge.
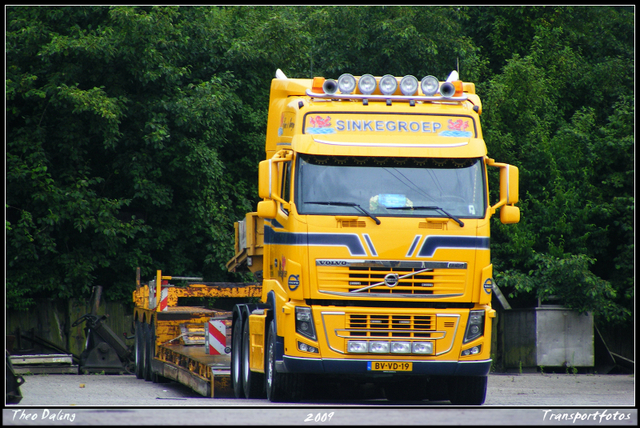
(266, 175)
(509, 214)
(267, 209)
(509, 177)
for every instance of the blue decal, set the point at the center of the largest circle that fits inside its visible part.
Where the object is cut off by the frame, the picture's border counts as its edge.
(414, 244)
(432, 243)
(351, 241)
(294, 282)
(370, 244)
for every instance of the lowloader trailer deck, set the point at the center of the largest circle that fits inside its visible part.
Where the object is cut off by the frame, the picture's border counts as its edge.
(187, 344)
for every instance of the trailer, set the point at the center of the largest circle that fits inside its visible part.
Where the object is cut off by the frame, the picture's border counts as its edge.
(186, 344)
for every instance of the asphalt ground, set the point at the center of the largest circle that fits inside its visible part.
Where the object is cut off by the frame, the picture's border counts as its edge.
(512, 399)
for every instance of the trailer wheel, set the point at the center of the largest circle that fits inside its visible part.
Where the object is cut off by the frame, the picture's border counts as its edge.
(236, 358)
(468, 390)
(139, 350)
(280, 386)
(252, 382)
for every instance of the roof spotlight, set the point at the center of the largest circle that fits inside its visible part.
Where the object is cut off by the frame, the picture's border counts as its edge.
(347, 83)
(429, 85)
(409, 85)
(388, 84)
(367, 84)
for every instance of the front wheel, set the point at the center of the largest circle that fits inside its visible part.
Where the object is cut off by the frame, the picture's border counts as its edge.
(280, 386)
(236, 358)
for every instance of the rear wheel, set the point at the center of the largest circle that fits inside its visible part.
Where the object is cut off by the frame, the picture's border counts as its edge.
(252, 382)
(280, 386)
(468, 390)
(236, 358)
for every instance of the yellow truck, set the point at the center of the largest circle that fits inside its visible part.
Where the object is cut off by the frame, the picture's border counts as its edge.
(370, 244)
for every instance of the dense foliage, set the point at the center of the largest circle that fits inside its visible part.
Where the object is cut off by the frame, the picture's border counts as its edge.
(134, 134)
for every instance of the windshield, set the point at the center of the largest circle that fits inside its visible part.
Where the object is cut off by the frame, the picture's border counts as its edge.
(417, 187)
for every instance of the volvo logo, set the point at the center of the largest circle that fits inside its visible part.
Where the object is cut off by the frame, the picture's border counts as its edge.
(391, 280)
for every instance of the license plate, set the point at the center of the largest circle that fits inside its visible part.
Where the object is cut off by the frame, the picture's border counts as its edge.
(390, 366)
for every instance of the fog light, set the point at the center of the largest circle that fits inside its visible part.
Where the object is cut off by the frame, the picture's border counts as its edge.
(379, 347)
(307, 348)
(400, 347)
(357, 346)
(422, 347)
(472, 351)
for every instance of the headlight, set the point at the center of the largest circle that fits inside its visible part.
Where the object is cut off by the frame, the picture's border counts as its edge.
(422, 347)
(409, 85)
(304, 322)
(429, 85)
(346, 83)
(388, 84)
(379, 347)
(400, 347)
(357, 346)
(367, 84)
(475, 326)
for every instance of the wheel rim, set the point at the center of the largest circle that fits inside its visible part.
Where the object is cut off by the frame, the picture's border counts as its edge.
(270, 365)
(245, 359)
(236, 358)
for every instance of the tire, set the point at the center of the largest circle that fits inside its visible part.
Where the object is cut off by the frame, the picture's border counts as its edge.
(236, 358)
(139, 351)
(468, 390)
(148, 335)
(252, 382)
(280, 386)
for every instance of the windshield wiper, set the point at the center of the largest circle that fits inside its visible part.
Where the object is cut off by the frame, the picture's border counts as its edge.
(348, 204)
(454, 218)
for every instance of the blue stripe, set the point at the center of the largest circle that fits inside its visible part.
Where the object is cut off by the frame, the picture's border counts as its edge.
(351, 241)
(432, 243)
(413, 245)
(370, 244)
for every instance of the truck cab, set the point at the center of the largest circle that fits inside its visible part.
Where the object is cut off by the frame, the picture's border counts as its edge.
(372, 240)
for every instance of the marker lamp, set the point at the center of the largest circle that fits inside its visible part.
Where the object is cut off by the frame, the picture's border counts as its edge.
(388, 84)
(408, 85)
(367, 84)
(346, 83)
(429, 85)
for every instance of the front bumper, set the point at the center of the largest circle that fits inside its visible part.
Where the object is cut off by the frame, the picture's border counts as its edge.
(360, 367)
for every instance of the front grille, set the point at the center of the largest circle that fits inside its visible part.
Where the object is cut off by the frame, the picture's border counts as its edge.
(421, 283)
(398, 326)
(420, 279)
